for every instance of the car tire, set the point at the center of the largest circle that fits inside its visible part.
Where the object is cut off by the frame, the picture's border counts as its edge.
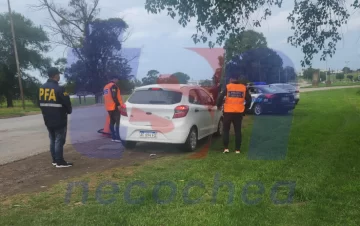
(257, 109)
(191, 141)
(129, 144)
(219, 127)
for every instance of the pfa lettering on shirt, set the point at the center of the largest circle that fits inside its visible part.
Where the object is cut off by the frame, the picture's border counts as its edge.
(47, 94)
(236, 94)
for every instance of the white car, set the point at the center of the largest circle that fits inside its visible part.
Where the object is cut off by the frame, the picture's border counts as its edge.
(169, 113)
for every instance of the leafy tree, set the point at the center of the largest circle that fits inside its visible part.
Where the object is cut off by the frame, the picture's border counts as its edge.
(206, 82)
(346, 70)
(32, 43)
(167, 79)
(309, 72)
(151, 77)
(137, 82)
(70, 87)
(242, 42)
(315, 23)
(100, 58)
(350, 77)
(94, 42)
(61, 64)
(288, 74)
(182, 78)
(71, 24)
(322, 76)
(262, 64)
(340, 76)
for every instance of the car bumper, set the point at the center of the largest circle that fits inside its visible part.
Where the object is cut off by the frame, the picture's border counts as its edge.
(176, 133)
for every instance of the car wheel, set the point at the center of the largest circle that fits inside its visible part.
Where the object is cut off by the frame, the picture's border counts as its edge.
(129, 144)
(219, 127)
(258, 109)
(191, 141)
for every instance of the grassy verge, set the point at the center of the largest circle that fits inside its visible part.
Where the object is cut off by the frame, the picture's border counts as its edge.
(335, 84)
(322, 159)
(30, 108)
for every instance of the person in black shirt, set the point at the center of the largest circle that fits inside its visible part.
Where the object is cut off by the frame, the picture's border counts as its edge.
(55, 106)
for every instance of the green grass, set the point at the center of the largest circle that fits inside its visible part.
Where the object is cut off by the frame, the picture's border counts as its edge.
(337, 83)
(323, 159)
(30, 108)
(17, 110)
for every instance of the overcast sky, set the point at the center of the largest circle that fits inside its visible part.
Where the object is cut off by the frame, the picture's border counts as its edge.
(163, 41)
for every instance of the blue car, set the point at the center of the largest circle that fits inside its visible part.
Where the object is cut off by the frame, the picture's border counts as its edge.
(270, 99)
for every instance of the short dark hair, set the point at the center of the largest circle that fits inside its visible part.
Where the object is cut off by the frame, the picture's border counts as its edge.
(52, 72)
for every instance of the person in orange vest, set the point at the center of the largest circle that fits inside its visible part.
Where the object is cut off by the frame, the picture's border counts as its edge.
(113, 102)
(237, 100)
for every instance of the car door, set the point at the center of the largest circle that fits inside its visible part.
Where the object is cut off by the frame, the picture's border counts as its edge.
(210, 112)
(196, 112)
(255, 93)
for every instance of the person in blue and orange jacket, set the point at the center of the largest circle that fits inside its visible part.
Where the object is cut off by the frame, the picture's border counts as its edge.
(237, 100)
(113, 103)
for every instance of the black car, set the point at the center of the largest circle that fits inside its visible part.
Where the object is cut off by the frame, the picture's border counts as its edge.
(289, 87)
(270, 99)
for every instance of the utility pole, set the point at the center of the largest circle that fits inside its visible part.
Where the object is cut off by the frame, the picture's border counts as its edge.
(16, 56)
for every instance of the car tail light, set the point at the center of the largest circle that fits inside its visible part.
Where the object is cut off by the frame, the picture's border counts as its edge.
(123, 111)
(155, 89)
(297, 91)
(269, 96)
(181, 111)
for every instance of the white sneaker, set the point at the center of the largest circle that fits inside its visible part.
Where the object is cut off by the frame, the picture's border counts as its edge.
(226, 151)
(117, 141)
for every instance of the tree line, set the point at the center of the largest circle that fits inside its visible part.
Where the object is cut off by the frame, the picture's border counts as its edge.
(346, 73)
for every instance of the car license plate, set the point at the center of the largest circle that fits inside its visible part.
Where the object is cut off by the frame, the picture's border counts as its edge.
(285, 99)
(147, 134)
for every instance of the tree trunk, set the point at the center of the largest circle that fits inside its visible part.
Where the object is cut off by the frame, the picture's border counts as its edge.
(9, 100)
(97, 98)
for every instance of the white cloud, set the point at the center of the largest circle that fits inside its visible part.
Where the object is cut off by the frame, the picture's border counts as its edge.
(146, 25)
(277, 23)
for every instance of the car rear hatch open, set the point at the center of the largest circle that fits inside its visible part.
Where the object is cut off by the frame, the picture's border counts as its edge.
(153, 107)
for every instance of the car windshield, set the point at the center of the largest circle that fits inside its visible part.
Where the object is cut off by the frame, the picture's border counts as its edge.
(155, 97)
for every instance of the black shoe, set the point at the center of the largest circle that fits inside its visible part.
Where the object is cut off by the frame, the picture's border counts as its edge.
(63, 164)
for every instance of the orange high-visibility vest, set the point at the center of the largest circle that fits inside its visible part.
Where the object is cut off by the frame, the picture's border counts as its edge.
(109, 104)
(235, 98)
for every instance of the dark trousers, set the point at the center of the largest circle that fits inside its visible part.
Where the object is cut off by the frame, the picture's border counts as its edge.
(57, 141)
(236, 120)
(115, 124)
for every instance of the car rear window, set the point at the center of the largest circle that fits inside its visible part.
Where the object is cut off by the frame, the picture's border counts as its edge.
(164, 97)
(289, 86)
(272, 89)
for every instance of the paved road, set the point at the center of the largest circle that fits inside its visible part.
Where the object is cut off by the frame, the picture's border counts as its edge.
(26, 136)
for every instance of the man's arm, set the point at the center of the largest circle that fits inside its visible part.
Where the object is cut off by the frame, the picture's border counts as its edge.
(114, 90)
(248, 99)
(220, 99)
(65, 100)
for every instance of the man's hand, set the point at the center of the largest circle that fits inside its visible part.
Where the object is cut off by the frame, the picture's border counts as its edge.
(119, 107)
